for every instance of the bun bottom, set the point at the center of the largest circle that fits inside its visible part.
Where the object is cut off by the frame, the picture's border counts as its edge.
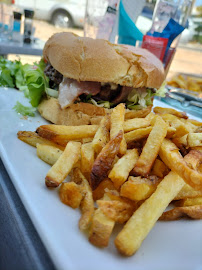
(80, 113)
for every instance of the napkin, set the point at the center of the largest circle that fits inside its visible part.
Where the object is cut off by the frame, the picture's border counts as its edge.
(127, 30)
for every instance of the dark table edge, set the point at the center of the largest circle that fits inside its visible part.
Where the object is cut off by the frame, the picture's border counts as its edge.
(20, 244)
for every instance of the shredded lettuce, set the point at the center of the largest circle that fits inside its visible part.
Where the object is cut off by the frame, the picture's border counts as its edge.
(161, 92)
(104, 104)
(24, 110)
(139, 98)
(101, 103)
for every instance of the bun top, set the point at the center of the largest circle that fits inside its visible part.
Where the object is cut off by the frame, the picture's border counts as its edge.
(87, 59)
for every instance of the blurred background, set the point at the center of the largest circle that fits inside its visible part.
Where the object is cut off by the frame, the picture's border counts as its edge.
(51, 16)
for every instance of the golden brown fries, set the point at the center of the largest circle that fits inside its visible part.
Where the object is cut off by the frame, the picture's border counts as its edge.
(160, 110)
(194, 160)
(87, 203)
(189, 202)
(137, 188)
(129, 114)
(122, 167)
(188, 192)
(159, 168)
(186, 82)
(101, 137)
(104, 160)
(101, 229)
(117, 210)
(170, 155)
(87, 158)
(125, 171)
(138, 226)
(70, 194)
(48, 153)
(194, 212)
(194, 139)
(62, 134)
(32, 138)
(137, 134)
(173, 121)
(99, 192)
(135, 123)
(63, 165)
(151, 148)
(117, 120)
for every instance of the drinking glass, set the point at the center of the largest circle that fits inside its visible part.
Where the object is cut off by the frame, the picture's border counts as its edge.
(95, 24)
(8, 26)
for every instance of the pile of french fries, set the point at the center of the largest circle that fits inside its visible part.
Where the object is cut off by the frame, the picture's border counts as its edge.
(125, 171)
(186, 82)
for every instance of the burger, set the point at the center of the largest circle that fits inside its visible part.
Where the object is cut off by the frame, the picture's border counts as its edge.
(91, 76)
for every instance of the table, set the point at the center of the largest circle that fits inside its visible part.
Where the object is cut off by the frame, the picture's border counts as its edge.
(11, 47)
(20, 245)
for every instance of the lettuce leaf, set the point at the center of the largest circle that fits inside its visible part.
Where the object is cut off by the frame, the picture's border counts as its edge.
(24, 110)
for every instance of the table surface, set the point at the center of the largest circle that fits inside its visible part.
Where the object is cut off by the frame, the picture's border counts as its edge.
(11, 47)
(21, 246)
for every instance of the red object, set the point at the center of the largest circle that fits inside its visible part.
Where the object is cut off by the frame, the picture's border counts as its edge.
(155, 45)
(13, 2)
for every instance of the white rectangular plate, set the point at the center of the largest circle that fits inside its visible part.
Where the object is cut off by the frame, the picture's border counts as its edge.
(170, 245)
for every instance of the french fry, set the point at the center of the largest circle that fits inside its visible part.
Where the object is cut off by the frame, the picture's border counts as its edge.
(193, 212)
(86, 140)
(48, 153)
(194, 160)
(194, 139)
(170, 155)
(122, 168)
(137, 134)
(87, 158)
(117, 120)
(87, 203)
(70, 194)
(159, 168)
(173, 121)
(139, 225)
(151, 148)
(101, 228)
(191, 127)
(129, 114)
(104, 161)
(101, 137)
(98, 193)
(181, 141)
(62, 134)
(189, 202)
(188, 192)
(117, 210)
(137, 188)
(59, 171)
(195, 122)
(170, 132)
(160, 110)
(135, 123)
(150, 116)
(32, 138)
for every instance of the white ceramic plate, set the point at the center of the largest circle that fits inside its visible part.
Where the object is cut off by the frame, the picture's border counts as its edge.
(170, 245)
